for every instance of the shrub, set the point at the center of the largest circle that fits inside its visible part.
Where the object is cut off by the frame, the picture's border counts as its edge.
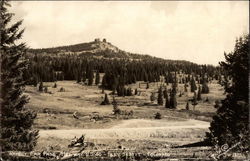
(55, 85)
(116, 110)
(152, 97)
(157, 115)
(62, 89)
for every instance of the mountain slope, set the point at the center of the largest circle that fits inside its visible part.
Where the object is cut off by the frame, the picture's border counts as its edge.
(97, 48)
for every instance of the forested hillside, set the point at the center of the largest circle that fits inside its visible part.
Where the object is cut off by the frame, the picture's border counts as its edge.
(83, 62)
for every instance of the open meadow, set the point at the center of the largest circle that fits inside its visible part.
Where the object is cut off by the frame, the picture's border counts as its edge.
(139, 131)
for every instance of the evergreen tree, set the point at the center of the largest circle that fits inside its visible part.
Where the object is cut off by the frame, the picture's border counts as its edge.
(187, 106)
(136, 92)
(152, 97)
(185, 87)
(104, 81)
(172, 101)
(35, 81)
(165, 93)
(16, 120)
(129, 92)
(193, 85)
(231, 122)
(55, 85)
(40, 87)
(199, 94)
(167, 103)
(91, 78)
(194, 101)
(160, 97)
(106, 100)
(204, 88)
(46, 89)
(116, 109)
(97, 77)
(180, 94)
(217, 104)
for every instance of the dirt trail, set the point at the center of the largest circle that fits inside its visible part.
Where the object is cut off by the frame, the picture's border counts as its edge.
(131, 129)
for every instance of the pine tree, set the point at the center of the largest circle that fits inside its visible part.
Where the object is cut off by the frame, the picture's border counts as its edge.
(106, 100)
(187, 106)
(160, 97)
(116, 109)
(40, 88)
(172, 101)
(55, 85)
(16, 120)
(199, 94)
(185, 87)
(167, 103)
(205, 88)
(194, 101)
(35, 81)
(104, 81)
(230, 125)
(129, 92)
(152, 97)
(91, 78)
(136, 92)
(165, 93)
(97, 77)
(193, 85)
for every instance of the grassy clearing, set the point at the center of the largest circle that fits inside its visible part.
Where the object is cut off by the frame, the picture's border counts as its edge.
(55, 112)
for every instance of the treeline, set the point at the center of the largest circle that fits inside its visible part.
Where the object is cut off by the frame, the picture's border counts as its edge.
(118, 72)
(71, 48)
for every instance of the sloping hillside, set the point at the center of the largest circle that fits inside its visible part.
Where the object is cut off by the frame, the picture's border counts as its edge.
(97, 48)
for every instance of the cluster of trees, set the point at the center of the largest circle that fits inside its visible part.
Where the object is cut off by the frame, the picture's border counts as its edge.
(118, 71)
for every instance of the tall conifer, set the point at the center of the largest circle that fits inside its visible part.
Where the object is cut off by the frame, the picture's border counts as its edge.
(16, 120)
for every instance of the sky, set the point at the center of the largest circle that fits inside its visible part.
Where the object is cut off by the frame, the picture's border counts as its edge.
(197, 31)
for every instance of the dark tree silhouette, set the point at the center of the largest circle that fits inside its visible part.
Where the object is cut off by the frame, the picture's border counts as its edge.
(106, 100)
(136, 91)
(40, 88)
(165, 93)
(205, 88)
(199, 94)
(173, 101)
(193, 85)
(187, 106)
(16, 120)
(231, 122)
(90, 78)
(160, 97)
(167, 103)
(97, 78)
(194, 101)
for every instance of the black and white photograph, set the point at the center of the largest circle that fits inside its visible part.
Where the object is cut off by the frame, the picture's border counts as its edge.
(124, 80)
